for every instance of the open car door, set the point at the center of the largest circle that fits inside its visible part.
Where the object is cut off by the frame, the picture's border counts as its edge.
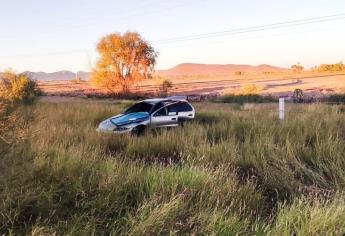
(163, 118)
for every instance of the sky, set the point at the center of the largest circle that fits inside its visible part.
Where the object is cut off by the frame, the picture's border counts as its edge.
(43, 35)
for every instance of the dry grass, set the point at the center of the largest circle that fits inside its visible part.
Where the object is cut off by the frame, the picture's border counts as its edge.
(229, 172)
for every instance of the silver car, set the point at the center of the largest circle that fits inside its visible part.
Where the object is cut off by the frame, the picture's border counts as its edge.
(168, 112)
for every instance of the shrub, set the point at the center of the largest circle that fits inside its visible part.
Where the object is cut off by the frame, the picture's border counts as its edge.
(18, 88)
(239, 73)
(298, 68)
(164, 87)
(298, 96)
(331, 67)
(251, 89)
(251, 98)
(336, 98)
(249, 93)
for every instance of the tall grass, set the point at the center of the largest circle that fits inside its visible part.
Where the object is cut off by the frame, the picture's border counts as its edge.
(228, 172)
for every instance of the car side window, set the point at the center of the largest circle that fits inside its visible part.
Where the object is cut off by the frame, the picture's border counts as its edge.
(173, 108)
(157, 107)
(180, 107)
(161, 112)
(184, 107)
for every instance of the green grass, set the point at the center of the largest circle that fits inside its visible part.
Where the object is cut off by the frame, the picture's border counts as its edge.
(229, 172)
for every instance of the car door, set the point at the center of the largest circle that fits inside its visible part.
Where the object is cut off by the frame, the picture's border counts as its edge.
(185, 110)
(164, 118)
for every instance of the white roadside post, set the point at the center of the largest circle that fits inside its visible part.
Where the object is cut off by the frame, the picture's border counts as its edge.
(281, 108)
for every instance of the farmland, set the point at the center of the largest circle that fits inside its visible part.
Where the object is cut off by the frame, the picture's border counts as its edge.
(231, 171)
(277, 84)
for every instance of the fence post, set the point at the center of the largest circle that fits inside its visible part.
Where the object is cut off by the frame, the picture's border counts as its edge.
(281, 108)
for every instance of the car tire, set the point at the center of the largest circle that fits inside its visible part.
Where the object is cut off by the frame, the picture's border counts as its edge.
(181, 122)
(139, 130)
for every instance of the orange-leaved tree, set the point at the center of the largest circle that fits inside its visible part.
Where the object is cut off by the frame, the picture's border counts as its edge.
(124, 60)
(298, 68)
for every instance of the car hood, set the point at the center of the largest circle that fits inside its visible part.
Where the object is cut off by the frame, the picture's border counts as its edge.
(125, 119)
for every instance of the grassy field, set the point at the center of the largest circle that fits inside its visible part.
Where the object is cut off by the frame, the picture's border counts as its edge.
(229, 172)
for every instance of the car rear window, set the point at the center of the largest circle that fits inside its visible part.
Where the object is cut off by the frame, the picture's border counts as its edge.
(180, 107)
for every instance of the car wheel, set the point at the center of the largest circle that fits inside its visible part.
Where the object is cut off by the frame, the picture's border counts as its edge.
(139, 130)
(181, 122)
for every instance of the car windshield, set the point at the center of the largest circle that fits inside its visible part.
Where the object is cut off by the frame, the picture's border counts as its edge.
(139, 107)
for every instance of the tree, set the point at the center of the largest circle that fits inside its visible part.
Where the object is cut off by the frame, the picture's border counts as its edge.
(18, 88)
(124, 60)
(164, 88)
(298, 96)
(298, 68)
(332, 67)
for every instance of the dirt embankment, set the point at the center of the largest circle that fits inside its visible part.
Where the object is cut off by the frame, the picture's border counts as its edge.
(274, 84)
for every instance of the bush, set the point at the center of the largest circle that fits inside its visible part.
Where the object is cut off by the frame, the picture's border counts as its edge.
(251, 89)
(251, 98)
(298, 68)
(239, 73)
(18, 88)
(336, 98)
(298, 96)
(164, 87)
(331, 67)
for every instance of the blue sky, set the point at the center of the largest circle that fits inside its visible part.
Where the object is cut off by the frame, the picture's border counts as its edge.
(41, 35)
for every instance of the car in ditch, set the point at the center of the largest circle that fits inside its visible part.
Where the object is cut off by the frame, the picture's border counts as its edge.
(155, 113)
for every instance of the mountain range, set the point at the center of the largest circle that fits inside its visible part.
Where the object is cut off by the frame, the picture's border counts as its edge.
(59, 75)
(185, 69)
(190, 69)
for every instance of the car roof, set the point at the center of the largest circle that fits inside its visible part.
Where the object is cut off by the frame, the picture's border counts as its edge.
(168, 100)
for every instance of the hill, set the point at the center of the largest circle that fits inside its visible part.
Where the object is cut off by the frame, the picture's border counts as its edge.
(185, 69)
(57, 76)
(190, 69)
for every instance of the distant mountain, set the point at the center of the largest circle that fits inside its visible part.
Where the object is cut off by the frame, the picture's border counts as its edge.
(185, 69)
(60, 75)
(190, 69)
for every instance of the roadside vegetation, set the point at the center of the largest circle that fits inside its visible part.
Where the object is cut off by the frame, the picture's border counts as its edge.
(164, 87)
(17, 88)
(297, 68)
(336, 98)
(229, 172)
(338, 67)
(249, 93)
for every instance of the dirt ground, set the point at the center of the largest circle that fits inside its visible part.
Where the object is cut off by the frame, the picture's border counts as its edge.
(272, 84)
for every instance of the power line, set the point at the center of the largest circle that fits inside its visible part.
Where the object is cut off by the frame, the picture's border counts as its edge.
(229, 32)
(227, 40)
(254, 29)
(133, 12)
(50, 53)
